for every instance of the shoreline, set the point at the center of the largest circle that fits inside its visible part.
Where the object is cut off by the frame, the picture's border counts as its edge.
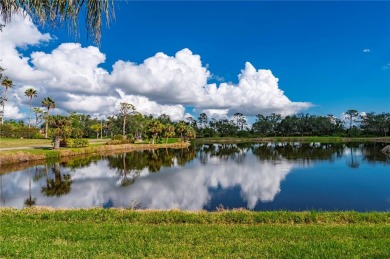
(39, 155)
(293, 139)
(224, 216)
(24, 156)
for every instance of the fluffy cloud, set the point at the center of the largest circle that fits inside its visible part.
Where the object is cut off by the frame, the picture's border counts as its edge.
(256, 92)
(72, 76)
(166, 79)
(72, 68)
(20, 33)
(183, 79)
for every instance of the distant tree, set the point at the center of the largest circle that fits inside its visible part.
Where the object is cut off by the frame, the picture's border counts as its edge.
(267, 124)
(226, 128)
(375, 124)
(6, 83)
(164, 118)
(155, 129)
(125, 110)
(190, 132)
(169, 132)
(30, 93)
(288, 125)
(203, 120)
(180, 129)
(77, 124)
(192, 122)
(38, 115)
(48, 103)
(96, 128)
(240, 120)
(351, 117)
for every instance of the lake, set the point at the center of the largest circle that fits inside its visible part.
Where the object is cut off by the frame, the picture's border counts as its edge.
(262, 176)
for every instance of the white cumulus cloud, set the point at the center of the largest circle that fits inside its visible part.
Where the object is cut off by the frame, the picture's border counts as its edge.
(72, 75)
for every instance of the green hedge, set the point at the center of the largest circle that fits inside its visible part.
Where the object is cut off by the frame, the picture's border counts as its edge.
(74, 142)
(120, 142)
(17, 131)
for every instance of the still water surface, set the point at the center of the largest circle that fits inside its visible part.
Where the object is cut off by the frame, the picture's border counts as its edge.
(269, 176)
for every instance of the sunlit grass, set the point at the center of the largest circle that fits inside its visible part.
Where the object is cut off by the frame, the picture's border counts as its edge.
(8, 143)
(167, 234)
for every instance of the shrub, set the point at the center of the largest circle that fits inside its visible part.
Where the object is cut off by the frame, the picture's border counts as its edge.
(17, 131)
(117, 137)
(120, 142)
(74, 143)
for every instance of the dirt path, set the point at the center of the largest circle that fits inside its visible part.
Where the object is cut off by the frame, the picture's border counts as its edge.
(20, 148)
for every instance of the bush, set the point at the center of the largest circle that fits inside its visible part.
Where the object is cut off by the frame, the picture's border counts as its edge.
(17, 131)
(37, 136)
(244, 134)
(117, 137)
(120, 142)
(74, 143)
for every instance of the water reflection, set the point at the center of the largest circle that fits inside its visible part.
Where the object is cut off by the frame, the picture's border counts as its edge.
(30, 201)
(58, 186)
(189, 179)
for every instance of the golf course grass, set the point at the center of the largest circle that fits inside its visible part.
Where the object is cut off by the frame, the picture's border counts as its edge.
(115, 233)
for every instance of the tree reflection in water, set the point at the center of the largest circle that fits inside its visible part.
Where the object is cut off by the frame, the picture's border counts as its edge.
(129, 165)
(235, 152)
(30, 201)
(60, 185)
(303, 152)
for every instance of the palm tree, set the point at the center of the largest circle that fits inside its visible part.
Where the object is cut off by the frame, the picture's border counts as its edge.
(48, 103)
(190, 132)
(181, 128)
(58, 12)
(7, 83)
(61, 129)
(30, 93)
(169, 132)
(155, 128)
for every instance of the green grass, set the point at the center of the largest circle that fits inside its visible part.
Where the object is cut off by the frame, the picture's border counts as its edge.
(9, 143)
(126, 233)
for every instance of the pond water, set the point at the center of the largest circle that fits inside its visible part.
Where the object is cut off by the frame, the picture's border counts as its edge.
(267, 176)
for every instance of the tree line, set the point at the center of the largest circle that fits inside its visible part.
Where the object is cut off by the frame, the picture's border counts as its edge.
(301, 124)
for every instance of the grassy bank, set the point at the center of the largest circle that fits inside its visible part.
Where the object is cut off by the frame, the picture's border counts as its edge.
(42, 153)
(126, 233)
(14, 143)
(10, 143)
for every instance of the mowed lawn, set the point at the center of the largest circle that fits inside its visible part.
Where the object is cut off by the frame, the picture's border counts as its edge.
(175, 234)
(11, 143)
(14, 143)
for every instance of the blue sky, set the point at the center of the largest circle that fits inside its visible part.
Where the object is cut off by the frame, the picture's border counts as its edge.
(333, 55)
